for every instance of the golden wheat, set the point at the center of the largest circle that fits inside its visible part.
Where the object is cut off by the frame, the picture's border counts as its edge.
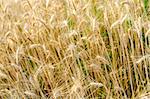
(74, 49)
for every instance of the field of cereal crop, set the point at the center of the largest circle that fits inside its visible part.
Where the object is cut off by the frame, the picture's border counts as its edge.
(74, 49)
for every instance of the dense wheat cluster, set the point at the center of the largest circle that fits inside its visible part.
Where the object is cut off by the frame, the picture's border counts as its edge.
(74, 49)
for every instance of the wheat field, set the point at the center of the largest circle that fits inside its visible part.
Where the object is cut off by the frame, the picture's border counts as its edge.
(74, 49)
